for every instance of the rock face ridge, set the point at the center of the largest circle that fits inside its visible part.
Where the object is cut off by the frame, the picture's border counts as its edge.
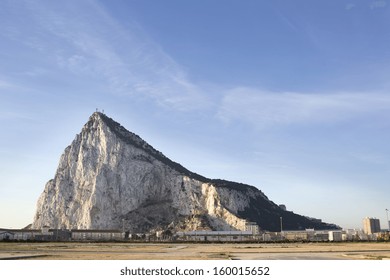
(109, 178)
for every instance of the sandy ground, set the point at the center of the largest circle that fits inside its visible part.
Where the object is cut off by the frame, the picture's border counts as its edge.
(184, 251)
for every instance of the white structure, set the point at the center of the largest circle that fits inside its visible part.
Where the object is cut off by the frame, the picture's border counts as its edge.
(253, 227)
(351, 234)
(335, 236)
(371, 225)
(98, 235)
(204, 235)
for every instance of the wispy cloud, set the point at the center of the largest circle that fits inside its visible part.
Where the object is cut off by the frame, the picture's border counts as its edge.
(378, 4)
(4, 84)
(370, 158)
(84, 39)
(264, 108)
(350, 6)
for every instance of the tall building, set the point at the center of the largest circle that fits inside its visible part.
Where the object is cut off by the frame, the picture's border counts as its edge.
(371, 225)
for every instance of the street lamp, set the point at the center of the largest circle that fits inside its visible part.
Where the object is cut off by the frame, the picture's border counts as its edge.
(281, 228)
(387, 216)
(281, 224)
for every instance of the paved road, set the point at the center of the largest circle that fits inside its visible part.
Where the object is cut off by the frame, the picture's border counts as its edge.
(288, 256)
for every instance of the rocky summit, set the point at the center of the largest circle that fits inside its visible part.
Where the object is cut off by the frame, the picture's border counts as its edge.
(109, 178)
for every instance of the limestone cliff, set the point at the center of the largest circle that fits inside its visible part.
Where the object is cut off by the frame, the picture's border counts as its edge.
(109, 178)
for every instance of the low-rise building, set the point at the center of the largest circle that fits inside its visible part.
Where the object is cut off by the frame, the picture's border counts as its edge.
(19, 234)
(305, 235)
(295, 235)
(253, 227)
(97, 235)
(203, 235)
(6, 235)
(335, 236)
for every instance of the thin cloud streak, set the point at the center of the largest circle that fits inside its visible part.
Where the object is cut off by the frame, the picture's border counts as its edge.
(94, 46)
(5, 85)
(378, 4)
(264, 109)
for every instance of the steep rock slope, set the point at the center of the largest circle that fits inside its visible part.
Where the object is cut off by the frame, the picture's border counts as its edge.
(109, 178)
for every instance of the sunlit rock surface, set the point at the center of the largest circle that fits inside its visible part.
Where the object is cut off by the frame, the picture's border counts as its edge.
(109, 178)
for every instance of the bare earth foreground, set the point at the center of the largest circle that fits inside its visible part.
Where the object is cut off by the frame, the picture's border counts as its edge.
(184, 251)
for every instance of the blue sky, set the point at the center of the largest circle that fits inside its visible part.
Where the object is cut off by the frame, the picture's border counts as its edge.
(289, 96)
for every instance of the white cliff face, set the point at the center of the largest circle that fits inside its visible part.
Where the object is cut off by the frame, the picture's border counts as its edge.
(108, 178)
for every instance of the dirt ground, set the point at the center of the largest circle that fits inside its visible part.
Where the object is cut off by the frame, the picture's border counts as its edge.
(186, 251)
